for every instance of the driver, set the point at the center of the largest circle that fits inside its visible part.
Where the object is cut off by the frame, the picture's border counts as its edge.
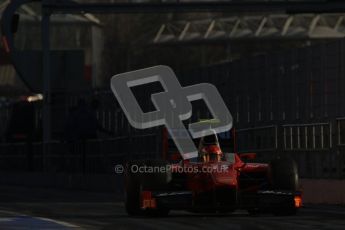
(211, 154)
(209, 149)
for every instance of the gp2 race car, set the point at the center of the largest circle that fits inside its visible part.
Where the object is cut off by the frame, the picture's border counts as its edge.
(213, 182)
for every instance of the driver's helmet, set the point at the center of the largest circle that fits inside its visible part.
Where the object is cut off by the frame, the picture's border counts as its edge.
(209, 149)
(211, 153)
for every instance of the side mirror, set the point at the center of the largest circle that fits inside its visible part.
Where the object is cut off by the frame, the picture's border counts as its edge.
(247, 156)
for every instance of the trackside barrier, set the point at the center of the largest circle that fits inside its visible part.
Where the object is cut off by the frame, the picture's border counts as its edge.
(91, 156)
(318, 148)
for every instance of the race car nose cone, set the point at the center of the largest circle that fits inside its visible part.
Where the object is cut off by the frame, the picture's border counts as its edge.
(224, 175)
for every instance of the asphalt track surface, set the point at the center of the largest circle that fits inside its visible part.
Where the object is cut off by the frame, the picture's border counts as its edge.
(27, 208)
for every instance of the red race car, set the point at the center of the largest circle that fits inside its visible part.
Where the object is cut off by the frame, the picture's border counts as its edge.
(213, 182)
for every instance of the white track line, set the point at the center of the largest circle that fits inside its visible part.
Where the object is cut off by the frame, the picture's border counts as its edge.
(62, 223)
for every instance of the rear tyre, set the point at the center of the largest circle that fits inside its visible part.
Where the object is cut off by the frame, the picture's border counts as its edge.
(159, 212)
(159, 178)
(285, 212)
(284, 175)
(133, 190)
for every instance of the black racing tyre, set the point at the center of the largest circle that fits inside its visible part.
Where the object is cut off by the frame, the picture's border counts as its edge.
(158, 175)
(133, 189)
(145, 179)
(159, 212)
(284, 175)
(291, 211)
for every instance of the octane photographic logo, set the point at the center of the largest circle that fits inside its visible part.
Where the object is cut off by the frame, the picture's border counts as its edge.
(119, 169)
(173, 106)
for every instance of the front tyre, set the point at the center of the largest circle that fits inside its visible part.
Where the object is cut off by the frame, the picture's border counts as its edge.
(136, 182)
